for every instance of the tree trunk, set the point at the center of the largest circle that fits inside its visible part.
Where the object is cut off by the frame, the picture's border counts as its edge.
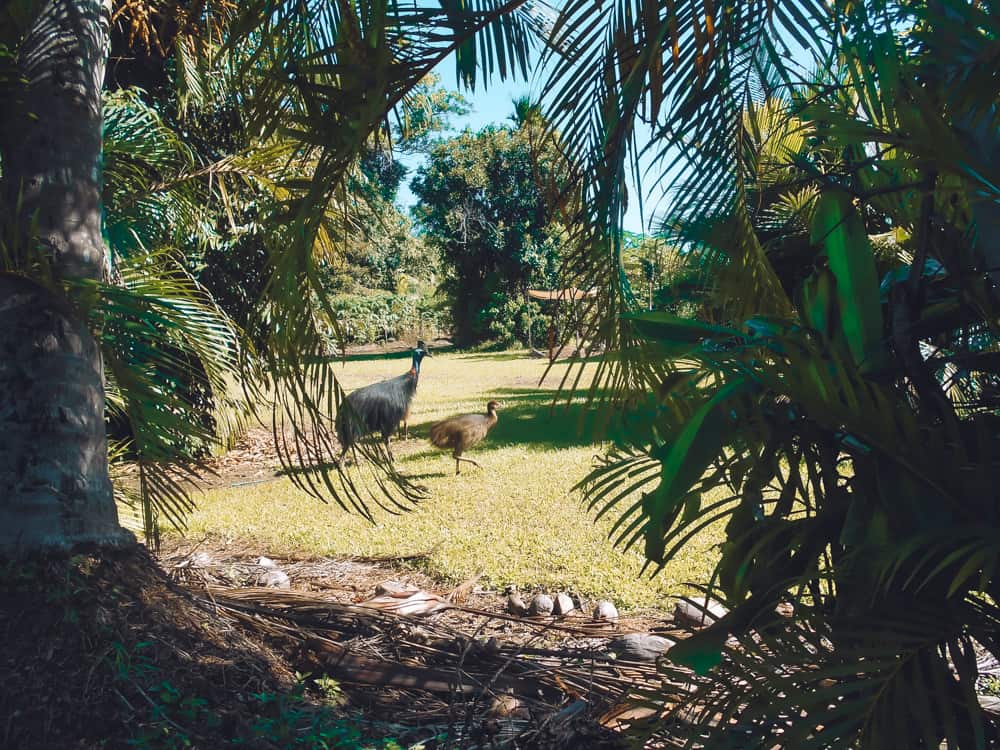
(54, 485)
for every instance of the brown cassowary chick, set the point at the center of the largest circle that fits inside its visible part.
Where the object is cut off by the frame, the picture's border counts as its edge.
(464, 431)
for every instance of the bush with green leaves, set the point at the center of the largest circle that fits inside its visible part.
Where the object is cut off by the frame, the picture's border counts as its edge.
(507, 320)
(380, 316)
(841, 379)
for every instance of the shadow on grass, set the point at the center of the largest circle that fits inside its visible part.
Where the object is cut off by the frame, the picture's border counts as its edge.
(528, 417)
(428, 475)
(498, 356)
(509, 356)
(287, 471)
(531, 418)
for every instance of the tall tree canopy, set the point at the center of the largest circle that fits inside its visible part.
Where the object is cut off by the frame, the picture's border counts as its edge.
(490, 202)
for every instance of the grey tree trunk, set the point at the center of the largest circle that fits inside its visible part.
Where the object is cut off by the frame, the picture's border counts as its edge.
(54, 485)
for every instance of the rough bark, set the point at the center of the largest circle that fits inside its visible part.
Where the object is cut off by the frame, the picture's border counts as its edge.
(54, 485)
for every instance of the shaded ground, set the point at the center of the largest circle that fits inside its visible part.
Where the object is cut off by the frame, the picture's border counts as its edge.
(100, 652)
(128, 651)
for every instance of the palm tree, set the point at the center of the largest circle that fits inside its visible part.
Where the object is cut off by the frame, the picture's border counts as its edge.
(54, 470)
(317, 80)
(525, 111)
(842, 385)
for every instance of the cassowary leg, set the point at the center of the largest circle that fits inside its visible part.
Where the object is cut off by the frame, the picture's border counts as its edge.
(458, 462)
(388, 449)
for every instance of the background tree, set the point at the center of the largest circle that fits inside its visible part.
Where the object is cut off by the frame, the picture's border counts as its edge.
(658, 273)
(489, 203)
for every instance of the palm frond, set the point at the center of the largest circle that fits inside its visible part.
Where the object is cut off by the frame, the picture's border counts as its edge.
(850, 422)
(173, 361)
(326, 77)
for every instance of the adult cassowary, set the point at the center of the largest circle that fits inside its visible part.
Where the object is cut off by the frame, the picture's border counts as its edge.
(379, 407)
(464, 431)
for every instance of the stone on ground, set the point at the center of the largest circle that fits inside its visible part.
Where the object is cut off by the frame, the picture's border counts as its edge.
(698, 613)
(563, 605)
(605, 611)
(541, 604)
(640, 646)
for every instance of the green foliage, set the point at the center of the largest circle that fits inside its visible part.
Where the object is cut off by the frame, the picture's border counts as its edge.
(660, 276)
(379, 316)
(839, 382)
(510, 321)
(488, 204)
(426, 111)
(284, 720)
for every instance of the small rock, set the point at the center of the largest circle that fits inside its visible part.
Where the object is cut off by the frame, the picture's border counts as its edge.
(562, 605)
(516, 605)
(698, 613)
(201, 560)
(275, 579)
(267, 562)
(541, 604)
(507, 707)
(391, 587)
(640, 646)
(605, 611)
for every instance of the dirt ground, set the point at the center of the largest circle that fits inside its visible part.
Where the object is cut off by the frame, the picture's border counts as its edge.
(187, 649)
(96, 647)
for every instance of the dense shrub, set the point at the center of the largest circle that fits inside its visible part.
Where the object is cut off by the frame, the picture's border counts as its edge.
(507, 319)
(384, 316)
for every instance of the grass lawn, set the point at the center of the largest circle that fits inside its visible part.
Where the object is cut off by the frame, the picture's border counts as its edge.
(516, 520)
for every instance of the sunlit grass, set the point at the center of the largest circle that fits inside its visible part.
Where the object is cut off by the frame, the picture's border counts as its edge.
(516, 520)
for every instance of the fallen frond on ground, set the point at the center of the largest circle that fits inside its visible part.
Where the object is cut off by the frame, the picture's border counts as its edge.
(466, 675)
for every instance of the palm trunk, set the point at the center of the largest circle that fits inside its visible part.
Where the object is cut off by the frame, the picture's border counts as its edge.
(54, 485)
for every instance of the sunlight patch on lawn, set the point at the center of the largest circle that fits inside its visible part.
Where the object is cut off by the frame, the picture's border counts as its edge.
(516, 520)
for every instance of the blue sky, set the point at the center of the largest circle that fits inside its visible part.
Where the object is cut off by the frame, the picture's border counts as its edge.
(492, 104)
